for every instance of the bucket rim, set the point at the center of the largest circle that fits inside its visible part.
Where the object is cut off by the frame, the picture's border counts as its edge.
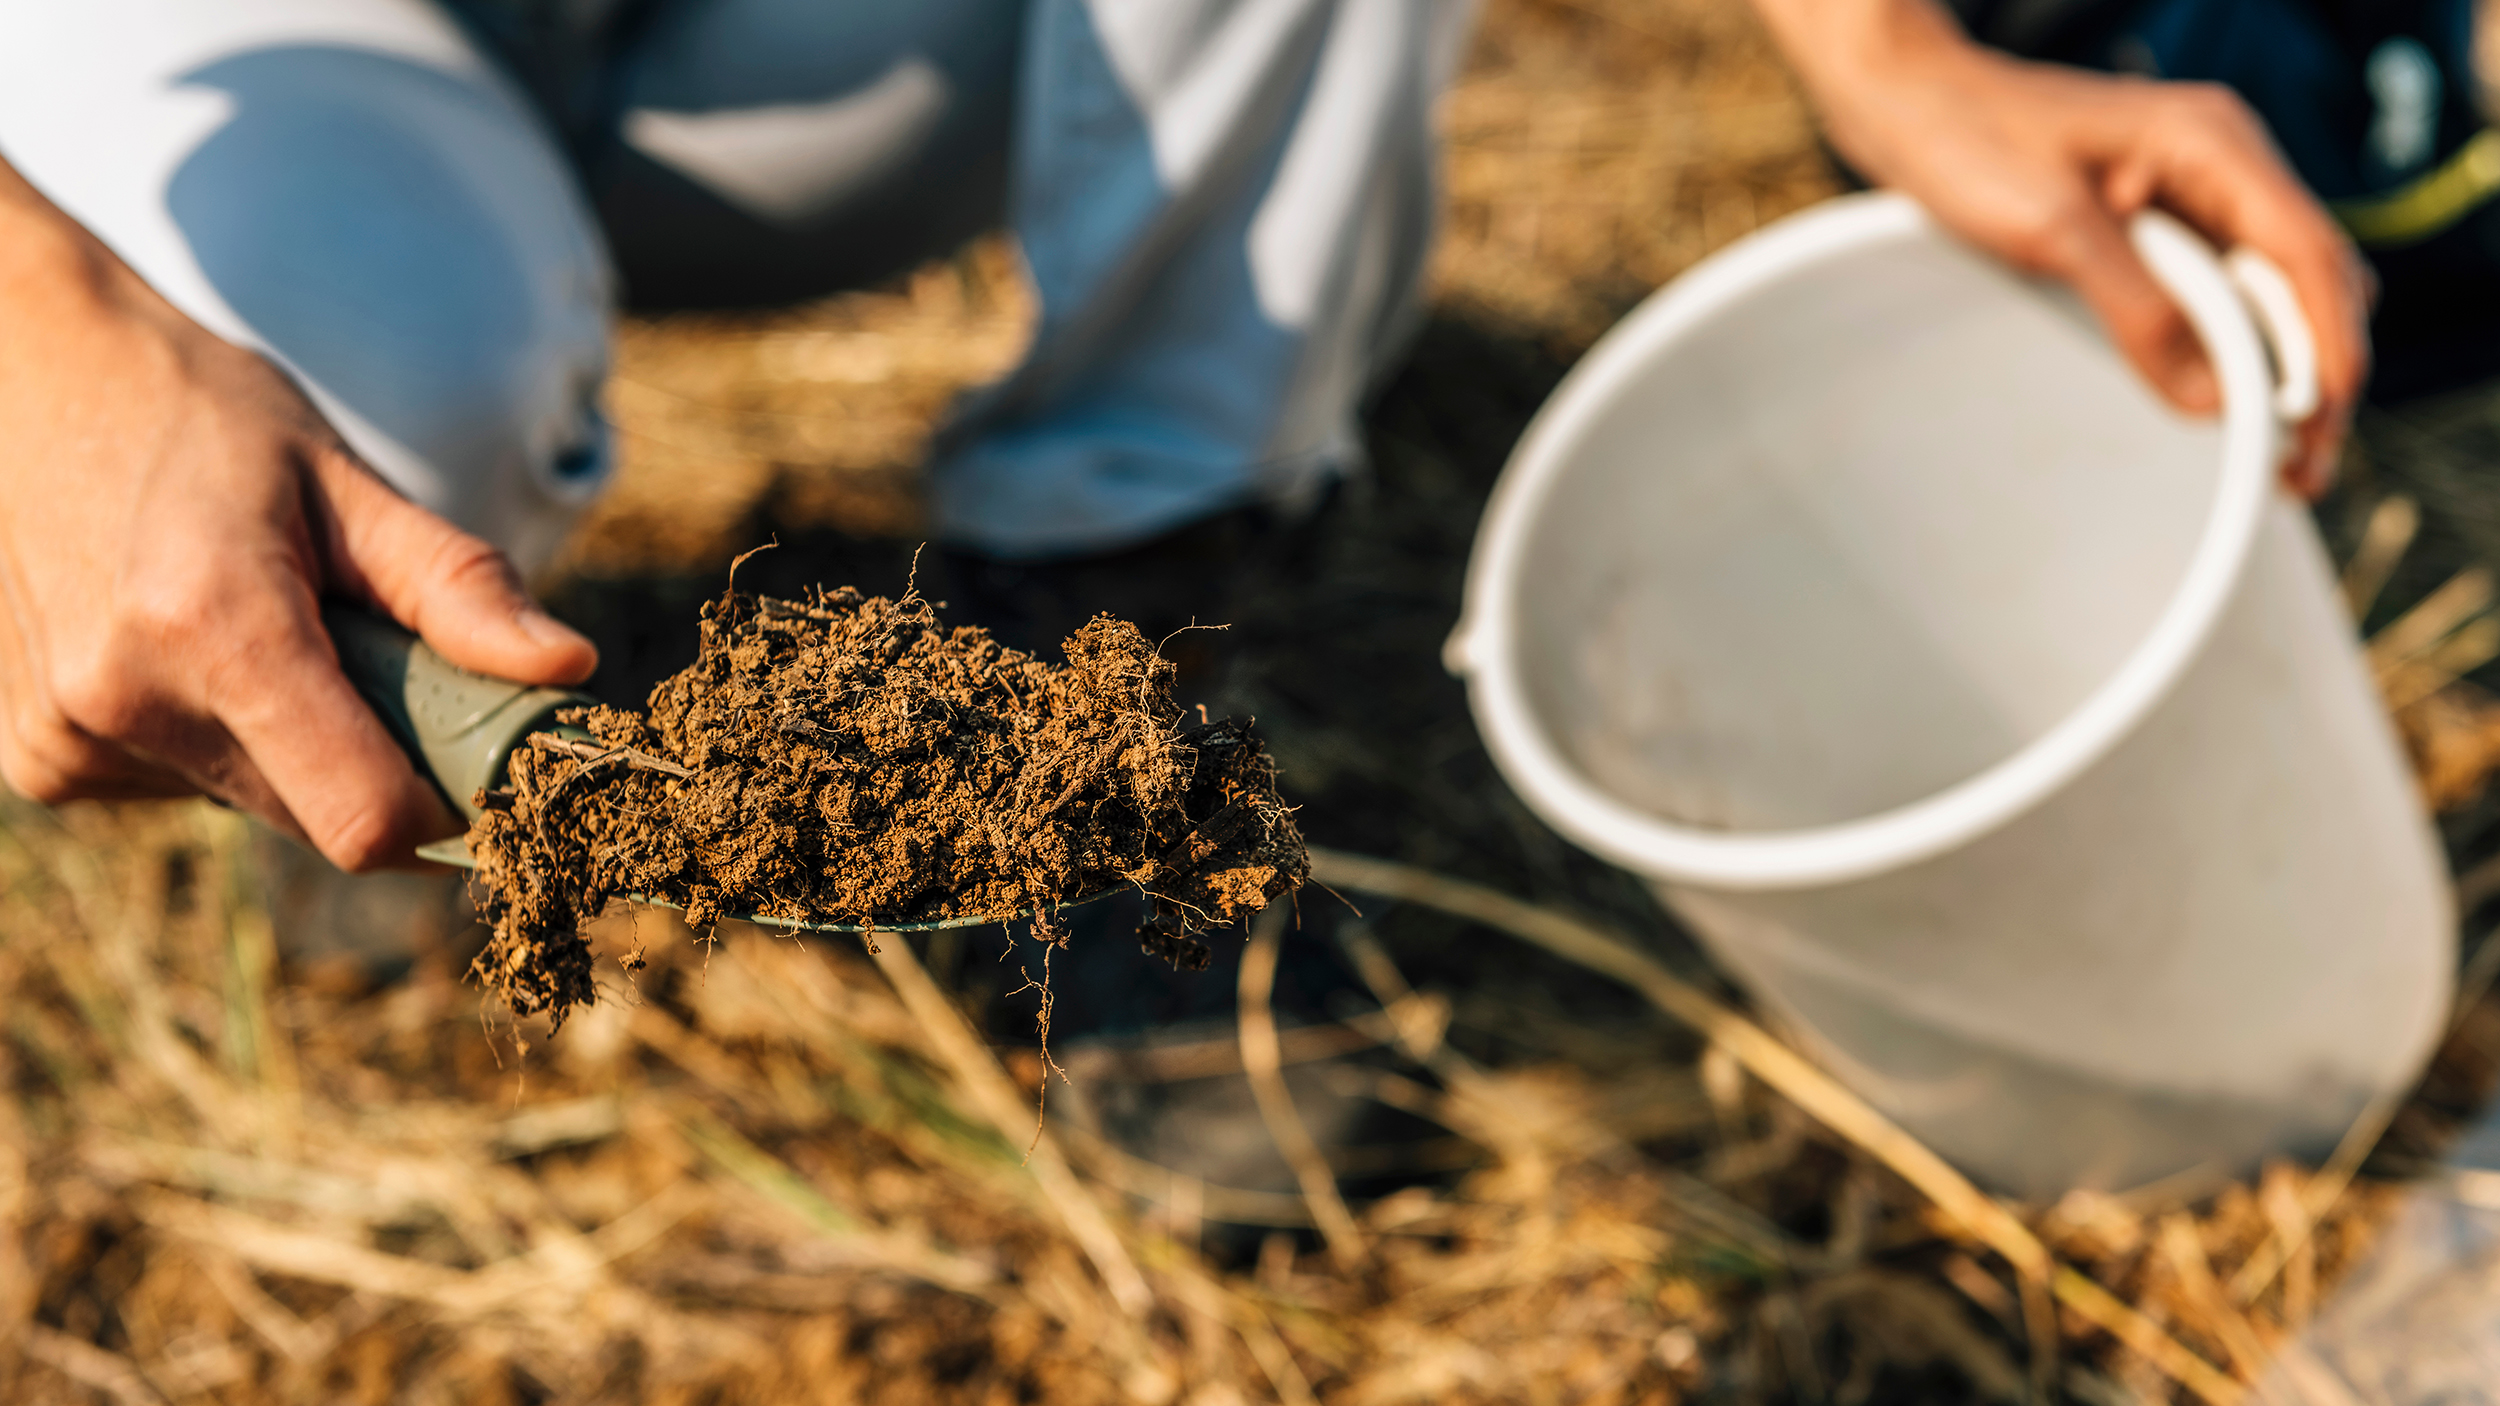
(1484, 647)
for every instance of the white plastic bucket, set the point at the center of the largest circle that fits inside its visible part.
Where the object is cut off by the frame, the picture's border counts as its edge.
(1997, 725)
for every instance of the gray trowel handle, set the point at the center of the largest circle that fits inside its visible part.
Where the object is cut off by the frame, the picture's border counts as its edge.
(459, 727)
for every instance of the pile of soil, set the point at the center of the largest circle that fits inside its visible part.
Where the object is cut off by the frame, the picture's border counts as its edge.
(848, 759)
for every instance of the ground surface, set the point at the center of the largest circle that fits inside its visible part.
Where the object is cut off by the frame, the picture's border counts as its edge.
(766, 1172)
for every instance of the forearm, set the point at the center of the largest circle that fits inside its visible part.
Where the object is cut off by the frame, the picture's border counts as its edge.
(1830, 41)
(1860, 60)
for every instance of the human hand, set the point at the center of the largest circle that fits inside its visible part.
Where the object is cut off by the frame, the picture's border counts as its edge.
(2042, 166)
(172, 511)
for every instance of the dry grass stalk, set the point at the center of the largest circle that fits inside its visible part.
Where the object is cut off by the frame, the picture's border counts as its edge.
(2185, 1251)
(2434, 618)
(2385, 537)
(89, 1365)
(1263, 1064)
(1809, 1088)
(2290, 1235)
(976, 1068)
(2453, 735)
(2471, 646)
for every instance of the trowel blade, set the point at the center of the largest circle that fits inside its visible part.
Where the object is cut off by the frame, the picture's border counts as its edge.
(454, 852)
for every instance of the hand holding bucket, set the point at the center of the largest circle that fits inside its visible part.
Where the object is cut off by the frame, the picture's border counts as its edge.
(1997, 724)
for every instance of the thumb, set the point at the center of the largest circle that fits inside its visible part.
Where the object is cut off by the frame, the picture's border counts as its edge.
(455, 591)
(2094, 256)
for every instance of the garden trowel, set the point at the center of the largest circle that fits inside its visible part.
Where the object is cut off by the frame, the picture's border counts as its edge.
(460, 729)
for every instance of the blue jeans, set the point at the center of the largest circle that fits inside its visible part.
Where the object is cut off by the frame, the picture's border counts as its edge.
(423, 215)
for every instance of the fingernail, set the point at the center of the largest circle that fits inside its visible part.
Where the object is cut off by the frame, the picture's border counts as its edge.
(547, 632)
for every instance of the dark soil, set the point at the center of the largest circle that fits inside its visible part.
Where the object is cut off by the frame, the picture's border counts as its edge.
(841, 759)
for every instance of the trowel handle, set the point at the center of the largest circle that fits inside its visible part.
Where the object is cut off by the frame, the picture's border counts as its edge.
(458, 727)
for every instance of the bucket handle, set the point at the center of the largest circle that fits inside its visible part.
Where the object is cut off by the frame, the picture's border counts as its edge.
(2262, 286)
(2164, 244)
(2269, 295)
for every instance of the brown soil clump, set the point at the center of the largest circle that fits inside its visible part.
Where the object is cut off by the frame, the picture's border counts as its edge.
(844, 759)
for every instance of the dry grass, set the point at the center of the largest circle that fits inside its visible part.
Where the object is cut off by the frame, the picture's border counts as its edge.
(1599, 147)
(767, 1172)
(761, 1176)
(815, 416)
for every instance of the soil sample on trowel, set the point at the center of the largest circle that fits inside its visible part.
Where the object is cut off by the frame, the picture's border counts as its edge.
(842, 759)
